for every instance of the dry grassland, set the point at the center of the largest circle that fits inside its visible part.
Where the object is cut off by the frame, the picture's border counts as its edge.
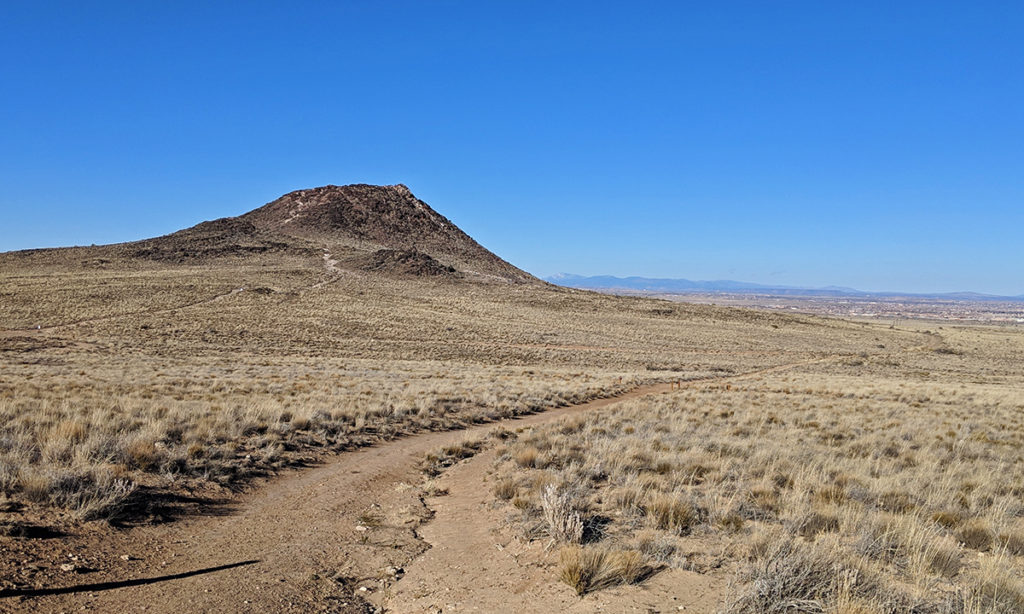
(871, 483)
(829, 466)
(147, 378)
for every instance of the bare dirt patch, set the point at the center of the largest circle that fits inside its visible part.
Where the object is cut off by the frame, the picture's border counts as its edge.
(477, 564)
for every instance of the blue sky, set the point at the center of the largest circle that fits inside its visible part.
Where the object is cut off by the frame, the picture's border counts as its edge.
(878, 145)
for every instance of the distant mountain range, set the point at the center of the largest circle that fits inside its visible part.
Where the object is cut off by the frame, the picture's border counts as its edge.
(683, 286)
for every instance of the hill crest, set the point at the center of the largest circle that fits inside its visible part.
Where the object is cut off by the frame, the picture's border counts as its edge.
(369, 228)
(373, 217)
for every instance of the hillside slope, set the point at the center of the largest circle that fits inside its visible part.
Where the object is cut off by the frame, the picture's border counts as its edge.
(361, 228)
(385, 217)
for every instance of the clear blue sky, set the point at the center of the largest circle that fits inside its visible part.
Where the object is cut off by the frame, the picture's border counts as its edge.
(878, 145)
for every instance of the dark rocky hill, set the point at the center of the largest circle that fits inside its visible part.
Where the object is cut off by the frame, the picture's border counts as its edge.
(383, 229)
(373, 218)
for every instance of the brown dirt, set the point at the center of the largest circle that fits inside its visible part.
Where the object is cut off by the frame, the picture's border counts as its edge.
(476, 564)
(293, 546)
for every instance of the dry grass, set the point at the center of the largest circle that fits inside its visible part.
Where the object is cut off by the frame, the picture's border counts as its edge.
(169, 375)
(892, 486)
(587, 569)
(871, 453)
(223, 422)
(505, 490)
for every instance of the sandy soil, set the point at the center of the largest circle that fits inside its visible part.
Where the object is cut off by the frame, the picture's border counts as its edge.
(318, 540)
(476, 565)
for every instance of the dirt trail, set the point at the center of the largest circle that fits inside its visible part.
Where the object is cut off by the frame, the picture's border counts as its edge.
(305, 542)
(476, 564)
(300, 544)
(333, 273)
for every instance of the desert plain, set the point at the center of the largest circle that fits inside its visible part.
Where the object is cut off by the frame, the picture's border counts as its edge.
(339, 402)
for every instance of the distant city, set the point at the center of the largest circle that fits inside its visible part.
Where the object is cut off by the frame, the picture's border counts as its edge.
(830, 301)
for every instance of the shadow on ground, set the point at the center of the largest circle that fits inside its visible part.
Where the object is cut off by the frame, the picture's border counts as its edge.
(106, 586)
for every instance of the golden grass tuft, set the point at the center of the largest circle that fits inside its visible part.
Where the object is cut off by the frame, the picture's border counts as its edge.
(505, 489)
(527, 457)
(996, 589)
(671, 512)
(587, 569)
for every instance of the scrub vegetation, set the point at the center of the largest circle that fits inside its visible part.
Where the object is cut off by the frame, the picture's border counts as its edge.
(877, 484)
(126, 381)
(827, 465)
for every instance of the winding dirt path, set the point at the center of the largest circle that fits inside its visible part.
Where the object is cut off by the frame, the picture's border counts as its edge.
(304, 543)
(316, 540)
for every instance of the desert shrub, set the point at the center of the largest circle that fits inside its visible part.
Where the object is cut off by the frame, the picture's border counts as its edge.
(631, 566)
(104, 499)
(527, 457)
(786, 577)
(563, 520)
(948, 518)
(763, 503)
(811, 524)
(942, 559)
(655, 545)
(896, 502)
(141, 453)
(628, 498)
(8, 475)
(35, 483)
(434, 463)
(879, 539)
(89, 495)
(1012, 542)
(976, 533)
(997, 589)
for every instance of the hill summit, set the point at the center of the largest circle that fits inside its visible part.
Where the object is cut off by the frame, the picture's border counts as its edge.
(372, 217)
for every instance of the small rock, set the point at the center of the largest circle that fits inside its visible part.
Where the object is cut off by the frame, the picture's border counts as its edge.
(127, 557)
(360, 527)
(67, 567)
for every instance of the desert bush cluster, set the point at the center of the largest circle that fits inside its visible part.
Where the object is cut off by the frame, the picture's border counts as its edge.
(821, 490)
